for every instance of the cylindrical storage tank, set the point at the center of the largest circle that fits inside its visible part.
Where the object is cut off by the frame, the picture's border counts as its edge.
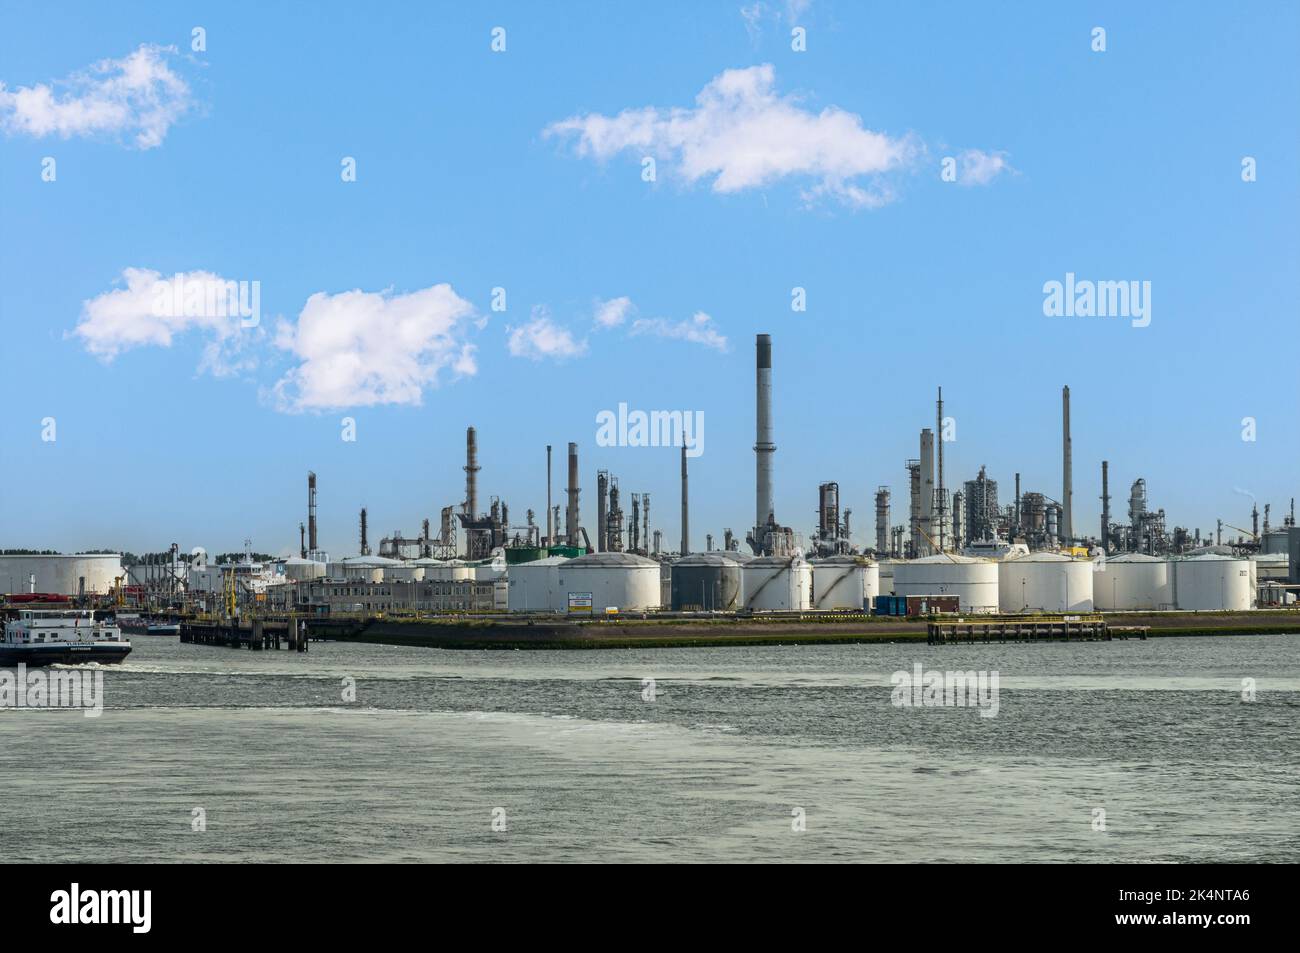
(844, 582)
(777, 583)
(885, 576)
(1045, 582)
(445, 570)
(534, 586)
(487, 570)
(1132, 581)
(303, 570)
(63, 575)
(706, 582)
(973, 581)
(621, 581)
(407, 572)
(1212, 583)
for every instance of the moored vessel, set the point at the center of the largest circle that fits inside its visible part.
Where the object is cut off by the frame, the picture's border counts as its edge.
(66, 636)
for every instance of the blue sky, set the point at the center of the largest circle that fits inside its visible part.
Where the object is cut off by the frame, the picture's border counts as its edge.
(1116, 165)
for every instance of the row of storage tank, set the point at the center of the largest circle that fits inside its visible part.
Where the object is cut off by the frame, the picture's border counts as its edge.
(730, 581)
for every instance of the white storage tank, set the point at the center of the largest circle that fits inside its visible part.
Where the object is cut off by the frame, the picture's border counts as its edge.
(777, 583)
(489, 569)
(621, 581)
(972, 580)
(62, 575)
(1045, 582)
(1132, 581)
(363, 568)
(406, 572)
(445, 570)
(844, 582)
(1213, 583)
(885, 576)
(297, 569)
(534, 586)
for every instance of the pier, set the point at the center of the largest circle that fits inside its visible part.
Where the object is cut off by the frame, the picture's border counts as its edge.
(1055, 629)
(257, 635)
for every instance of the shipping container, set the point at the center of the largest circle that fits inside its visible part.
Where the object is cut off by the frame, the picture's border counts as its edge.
(889, 605)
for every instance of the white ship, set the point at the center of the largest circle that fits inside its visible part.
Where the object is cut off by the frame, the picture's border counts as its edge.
(46, 636)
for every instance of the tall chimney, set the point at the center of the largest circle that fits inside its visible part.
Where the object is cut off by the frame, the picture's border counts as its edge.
(1017, 530)
(550, 527)
(926, 519)
(302, 540)
(1067, 474)
(311, 512)
(602, 510)
(645, 522)
(571, 516)
(941, 504)
(471, 472)
(686, 525)
(1105, 507)
(763, 445)
(365, 545)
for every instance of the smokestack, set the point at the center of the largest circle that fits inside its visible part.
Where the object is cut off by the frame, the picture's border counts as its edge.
(471, 472)
(1067, 474)
(365, 545)
(1105, 507)
(686, 525)
(602, 510)
(645, 522)
(1016, 530)
(302, 540)
(571, 516)
(311, 512)
(926, 519)
(550, 527)
(763, 445)
(938, 429)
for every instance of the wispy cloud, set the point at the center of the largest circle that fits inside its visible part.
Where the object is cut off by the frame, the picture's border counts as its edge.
(976, 167)
(612, 313)
(541, 338)
(362, 348)
(755, 14)
(741, 134)
(138, 96)
(700, 329)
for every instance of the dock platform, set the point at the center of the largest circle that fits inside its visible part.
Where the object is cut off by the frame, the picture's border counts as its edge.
(1088, 628)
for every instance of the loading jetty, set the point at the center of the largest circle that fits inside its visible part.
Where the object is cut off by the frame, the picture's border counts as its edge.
(1059, 629)
(670, 630)
(258, 635)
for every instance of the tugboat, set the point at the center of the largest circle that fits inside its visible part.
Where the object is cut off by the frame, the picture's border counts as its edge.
(67, 636)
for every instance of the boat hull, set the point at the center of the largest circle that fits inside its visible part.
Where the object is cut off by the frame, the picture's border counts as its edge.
(71, 653)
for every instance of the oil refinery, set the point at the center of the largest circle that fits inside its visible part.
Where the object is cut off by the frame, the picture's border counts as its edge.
(960, 551)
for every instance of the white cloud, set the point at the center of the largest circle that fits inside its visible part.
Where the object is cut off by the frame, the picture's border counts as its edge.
(361, 348)
(742, 135)
(147, 311)
(976, 167)
(699, 330)
(612, 313)
(542, 338)
(139, 96)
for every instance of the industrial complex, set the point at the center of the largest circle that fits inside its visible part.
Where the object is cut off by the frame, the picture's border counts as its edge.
(960, 549)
